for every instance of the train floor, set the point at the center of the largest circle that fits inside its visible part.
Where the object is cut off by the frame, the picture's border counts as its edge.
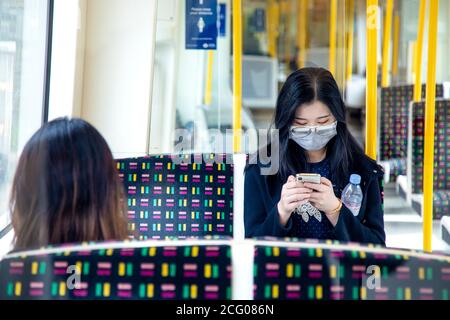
(404, 226)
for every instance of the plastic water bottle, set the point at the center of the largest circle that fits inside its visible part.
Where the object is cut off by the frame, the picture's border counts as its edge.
(352, 195)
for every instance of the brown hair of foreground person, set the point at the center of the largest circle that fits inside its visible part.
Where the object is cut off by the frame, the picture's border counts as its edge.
(66, 188)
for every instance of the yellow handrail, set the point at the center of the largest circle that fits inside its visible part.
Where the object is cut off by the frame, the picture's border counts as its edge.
(287, 40)
(396, 44)
(351, 22)
(371, 77)
(302, 16)
(272, 27)
(418, 52)
(237, 75)
(333, 20)
(209, 78)
(428, 165)
(340, 45)
(387, 43)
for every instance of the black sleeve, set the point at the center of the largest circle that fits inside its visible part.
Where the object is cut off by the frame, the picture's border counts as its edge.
(257, 219)
(371, 228)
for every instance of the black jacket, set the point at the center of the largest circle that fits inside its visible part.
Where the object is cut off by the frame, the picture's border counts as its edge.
(262, 193)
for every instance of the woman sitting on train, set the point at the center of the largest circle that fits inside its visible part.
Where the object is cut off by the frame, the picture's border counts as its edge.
(66, 188)
(310, 100)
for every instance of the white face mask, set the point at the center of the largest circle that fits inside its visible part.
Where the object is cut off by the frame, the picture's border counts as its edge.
(313, 138)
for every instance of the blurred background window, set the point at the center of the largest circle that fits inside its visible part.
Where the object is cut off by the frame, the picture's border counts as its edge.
(23, 51)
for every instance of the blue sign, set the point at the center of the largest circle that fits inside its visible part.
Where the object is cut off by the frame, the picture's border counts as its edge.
(260, 20)
(201, 24)
(222, 20)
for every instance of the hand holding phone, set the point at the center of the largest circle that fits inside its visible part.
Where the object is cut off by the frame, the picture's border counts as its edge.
(293, 194)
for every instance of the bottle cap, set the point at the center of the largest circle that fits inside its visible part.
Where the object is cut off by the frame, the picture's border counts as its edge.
(355, 179)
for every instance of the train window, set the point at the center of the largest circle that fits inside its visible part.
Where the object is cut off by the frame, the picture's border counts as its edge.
(298, 34)
(23, 42)
(192, 87)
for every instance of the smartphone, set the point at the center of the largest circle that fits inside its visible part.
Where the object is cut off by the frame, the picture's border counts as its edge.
(308, 177)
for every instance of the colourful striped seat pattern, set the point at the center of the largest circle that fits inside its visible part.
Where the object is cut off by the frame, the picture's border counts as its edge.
(333, 274)
(169, 199)
(441, 146)
(179, 272)
(441, 201)
(394, 115)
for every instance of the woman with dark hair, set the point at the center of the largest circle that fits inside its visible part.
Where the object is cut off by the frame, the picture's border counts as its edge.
(313, 138)
(66, 188)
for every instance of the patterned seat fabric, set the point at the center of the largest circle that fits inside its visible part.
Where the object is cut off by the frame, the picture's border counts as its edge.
(335, 274)
(173, 196)
(394, 112)
(441, 154)
(441, 204)
(155, 272)
(445, 228)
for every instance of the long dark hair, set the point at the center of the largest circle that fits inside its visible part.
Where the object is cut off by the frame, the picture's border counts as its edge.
(305, 86)
(66, 188)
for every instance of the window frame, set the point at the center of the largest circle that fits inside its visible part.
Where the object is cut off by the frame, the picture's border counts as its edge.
(5, 227)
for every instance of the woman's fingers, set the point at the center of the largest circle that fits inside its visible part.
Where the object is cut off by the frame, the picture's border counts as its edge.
(294, 184)
(289, 192)
(294, 205)
(293, 194)
(297, 197)
(326, 182)
(315, 196)
(290, 185)
(317, 187)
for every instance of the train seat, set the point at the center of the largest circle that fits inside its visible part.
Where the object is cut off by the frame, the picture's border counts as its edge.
(441, 203)
(402, 188)
(173, 196)
(120, 270)
(445, 228)
(264, 268)
(393, 168)
(394, 115)
(334, 271)
(441, 185)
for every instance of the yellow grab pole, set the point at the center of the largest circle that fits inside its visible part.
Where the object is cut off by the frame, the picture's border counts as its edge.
(418, 53)
(371, 77)
(396, 44)
(340, 46)
(333, 20)
(351, 22)
(237, 75)
(387, 43)
(287, 41)
(209, 78)
(428, 165)
(272, 27)
(270, 30)
(302, 16)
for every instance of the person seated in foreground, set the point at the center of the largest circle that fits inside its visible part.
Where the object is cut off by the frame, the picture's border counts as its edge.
(66, 188)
